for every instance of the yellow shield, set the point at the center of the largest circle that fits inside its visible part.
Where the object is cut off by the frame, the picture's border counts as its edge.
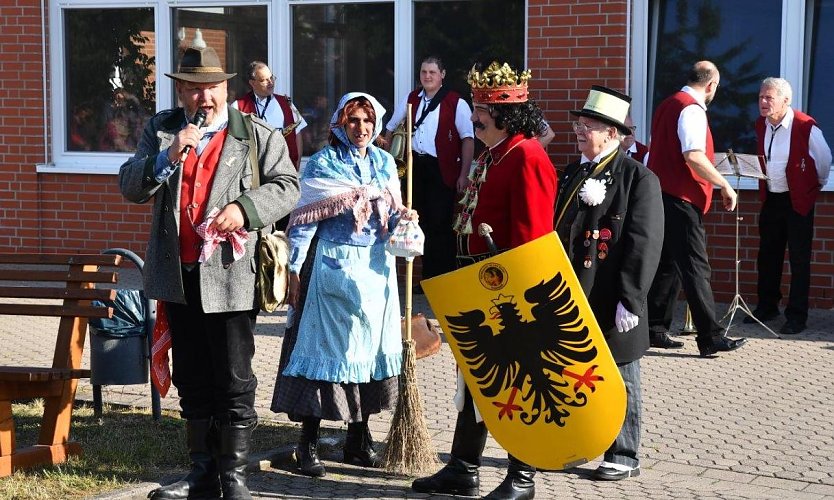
(532, 354)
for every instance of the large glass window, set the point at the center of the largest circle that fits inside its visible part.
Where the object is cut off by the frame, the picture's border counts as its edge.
(462, 33)
(237, 34)
(819, 65)
(338, 48)
(110, 78)
(740, 37)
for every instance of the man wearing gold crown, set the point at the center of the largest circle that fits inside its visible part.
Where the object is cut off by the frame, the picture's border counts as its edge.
(513, 189)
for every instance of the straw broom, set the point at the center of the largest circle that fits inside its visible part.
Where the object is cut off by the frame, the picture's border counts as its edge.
(410, 449)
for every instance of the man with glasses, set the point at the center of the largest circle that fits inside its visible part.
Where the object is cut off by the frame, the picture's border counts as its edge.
(632, 146)
(275, 109)
(682, 158)
(798, 161)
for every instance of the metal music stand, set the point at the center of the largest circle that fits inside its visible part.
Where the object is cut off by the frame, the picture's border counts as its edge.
(740, 165)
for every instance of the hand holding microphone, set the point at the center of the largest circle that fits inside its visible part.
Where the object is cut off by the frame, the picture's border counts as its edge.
(198, 121)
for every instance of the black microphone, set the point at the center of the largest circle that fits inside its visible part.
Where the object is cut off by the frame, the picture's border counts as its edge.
(198, 120)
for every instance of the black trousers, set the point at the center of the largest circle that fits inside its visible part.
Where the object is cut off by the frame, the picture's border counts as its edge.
(780, 227)
(683, 261)
(435, 202)
(212, 358)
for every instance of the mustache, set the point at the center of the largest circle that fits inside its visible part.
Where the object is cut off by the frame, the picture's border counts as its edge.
(478, 125)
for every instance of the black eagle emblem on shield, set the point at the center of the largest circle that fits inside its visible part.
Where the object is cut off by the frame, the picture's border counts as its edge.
(530, 357)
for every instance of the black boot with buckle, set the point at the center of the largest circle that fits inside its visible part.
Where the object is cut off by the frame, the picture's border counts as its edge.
(307, 453)
(359, 446)
(518, 485)
(202, 481)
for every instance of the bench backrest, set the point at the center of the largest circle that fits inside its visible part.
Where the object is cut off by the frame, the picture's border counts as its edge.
(69, 278)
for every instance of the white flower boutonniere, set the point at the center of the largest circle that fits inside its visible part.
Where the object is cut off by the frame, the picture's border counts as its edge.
(592, 192)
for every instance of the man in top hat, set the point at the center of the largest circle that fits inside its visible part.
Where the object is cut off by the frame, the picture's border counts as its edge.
(682, 157)
(609, 216)
(201, 260)
(513, 189)
(275, 109)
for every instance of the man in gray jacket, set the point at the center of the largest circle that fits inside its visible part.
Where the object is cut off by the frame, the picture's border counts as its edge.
(201, 260)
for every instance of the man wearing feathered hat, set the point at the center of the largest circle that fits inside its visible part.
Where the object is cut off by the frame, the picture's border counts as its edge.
(194, 162)
(609, 216)
(513, 189)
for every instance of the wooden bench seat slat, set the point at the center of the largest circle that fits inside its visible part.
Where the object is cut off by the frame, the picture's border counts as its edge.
(63, 276)
(40, 374)
(55, 310)
(57, 293)
(60, 259)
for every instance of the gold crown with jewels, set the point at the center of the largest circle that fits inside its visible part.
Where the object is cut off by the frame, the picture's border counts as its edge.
(498, 84)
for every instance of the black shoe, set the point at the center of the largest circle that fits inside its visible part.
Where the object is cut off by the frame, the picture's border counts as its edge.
(235, 441)
(359, 447)
(203, 480)
(306, 453)
(663, 341)
(792, 327)
(455, 478)
(518, 485)
(611, 474)
(720, 344)
(762, 315)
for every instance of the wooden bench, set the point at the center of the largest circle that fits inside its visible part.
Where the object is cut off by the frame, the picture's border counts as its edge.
(26, 282)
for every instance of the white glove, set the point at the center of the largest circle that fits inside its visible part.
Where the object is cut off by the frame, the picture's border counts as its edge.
(625, 319)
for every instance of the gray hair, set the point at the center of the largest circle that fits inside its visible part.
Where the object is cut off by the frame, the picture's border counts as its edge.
(782, 86)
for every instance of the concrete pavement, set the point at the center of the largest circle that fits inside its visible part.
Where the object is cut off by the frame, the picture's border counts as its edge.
(755, 423)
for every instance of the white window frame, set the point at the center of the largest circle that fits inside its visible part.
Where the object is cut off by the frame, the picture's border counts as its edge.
(791, 61)
(279, 53)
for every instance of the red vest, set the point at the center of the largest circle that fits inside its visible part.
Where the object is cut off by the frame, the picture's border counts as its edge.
(801, 170)
(447, 140)
(197, 177)
(247, 105)
(666, 161)
(640, 154)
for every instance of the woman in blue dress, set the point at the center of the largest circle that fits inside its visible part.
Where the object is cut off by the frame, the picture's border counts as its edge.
(342, 354)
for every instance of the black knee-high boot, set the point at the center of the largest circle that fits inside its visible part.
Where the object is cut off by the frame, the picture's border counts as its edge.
(202, 481)
(359, 446)
(460, 475)
(518, 485)
(233, 459)
(307, 453)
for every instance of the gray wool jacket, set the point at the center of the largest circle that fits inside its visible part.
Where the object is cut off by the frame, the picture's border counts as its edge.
(225, 284)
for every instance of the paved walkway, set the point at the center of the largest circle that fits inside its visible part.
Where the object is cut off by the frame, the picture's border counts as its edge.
(755, 423)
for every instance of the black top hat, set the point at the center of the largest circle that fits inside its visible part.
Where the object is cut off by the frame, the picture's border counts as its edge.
(200, 65)
(607, 106)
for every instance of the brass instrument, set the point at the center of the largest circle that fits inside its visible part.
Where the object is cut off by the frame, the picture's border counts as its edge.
(399, 147)
(288, 130)
(688, 323)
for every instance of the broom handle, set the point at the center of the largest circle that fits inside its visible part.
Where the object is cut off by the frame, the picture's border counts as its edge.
(409, 262)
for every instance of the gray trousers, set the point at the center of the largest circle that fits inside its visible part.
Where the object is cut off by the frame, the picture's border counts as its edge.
(624, 449)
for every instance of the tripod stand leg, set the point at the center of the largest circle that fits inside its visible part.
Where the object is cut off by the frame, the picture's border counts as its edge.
(739, 303)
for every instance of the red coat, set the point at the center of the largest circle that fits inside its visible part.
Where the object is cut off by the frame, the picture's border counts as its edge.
(801, 170)
(518, 196)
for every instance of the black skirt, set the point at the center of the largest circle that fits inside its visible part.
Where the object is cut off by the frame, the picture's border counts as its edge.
(300, 397)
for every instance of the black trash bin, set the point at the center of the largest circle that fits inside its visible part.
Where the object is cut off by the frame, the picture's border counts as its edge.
(119, 345)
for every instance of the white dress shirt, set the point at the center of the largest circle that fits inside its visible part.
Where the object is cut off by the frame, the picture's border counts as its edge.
(423, 139)
(268, 109)
(693, 125)
(777, 142)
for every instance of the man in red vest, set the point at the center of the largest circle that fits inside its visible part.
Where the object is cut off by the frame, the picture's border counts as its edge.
(275, 109)
(443, 145)
(682, 158)
(193, 162)
(797, 162)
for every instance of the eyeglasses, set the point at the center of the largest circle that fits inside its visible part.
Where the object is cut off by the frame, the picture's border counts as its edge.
(581, 128)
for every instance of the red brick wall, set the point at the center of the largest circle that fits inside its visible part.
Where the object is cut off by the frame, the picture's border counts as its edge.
(572, 45)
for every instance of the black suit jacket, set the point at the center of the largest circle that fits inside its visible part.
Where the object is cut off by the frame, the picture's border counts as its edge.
(624, 235)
